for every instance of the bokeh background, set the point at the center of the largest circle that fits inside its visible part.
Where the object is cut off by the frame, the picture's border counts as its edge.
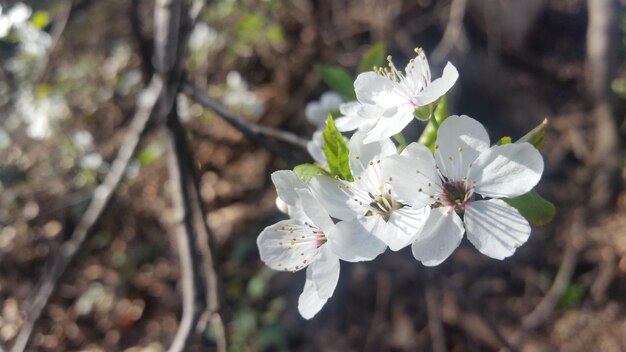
(69, 75)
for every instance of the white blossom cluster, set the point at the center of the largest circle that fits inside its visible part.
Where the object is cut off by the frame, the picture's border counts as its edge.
(423, 198)
(31, 107)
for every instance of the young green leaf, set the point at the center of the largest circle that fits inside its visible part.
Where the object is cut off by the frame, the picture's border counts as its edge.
(306, 171)
(336, 150)
(504, 140)
(533, 207)
(429, 135)
(537, 136)
(375, 56)
(338, 79)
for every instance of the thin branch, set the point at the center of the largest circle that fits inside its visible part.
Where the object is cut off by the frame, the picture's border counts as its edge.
(167, 60)
(184, 233)
(60, 23)
(469, 303)
(453, 35)
(435, 326)
(546, 306)
(146, 103)
(249, 129)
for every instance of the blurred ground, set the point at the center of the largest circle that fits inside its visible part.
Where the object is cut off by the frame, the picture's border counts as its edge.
(519, 62)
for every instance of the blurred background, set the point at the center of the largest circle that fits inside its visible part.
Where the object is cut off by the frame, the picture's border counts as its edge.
(70, 72)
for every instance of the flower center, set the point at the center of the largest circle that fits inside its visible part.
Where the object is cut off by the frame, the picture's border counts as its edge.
(383, 205)
(456, 195)
(320, 238)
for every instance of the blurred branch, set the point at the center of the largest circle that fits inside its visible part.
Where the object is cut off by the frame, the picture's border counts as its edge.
(469, 303)
(251, 130)
(454, 34)
(60, 23)
(143, 42)
(172, 31)
(546, 306)
(601, 64)
(146, 103)
(435, 326)
(167, 57)
(184, 234)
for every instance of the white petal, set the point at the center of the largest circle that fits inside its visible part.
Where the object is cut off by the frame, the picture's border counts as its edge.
(410, 222)
(442, 234)
(286, 182)
(495, 228)
(393, 121)
(315, 147)
(315, 114)
(282, 206)
(460, 140)
(309, 302)
(438, 87)
(325, 272)
(288, 245)
(348, 123)
(330, 101)
(361, 155)
(414, 180)
(418, 72)
(358, 116)
(349, 108)
(508, 170)
(314, 210)
(352, 242)
(336, 199)
(374, 89)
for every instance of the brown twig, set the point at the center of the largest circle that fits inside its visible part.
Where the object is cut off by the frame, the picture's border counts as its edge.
(469, 303)
(250, 130)
(60, 23)
(435, 326)
(601, 66)
(184, 234)
(146, 103)
(546, 306)
(453, 35)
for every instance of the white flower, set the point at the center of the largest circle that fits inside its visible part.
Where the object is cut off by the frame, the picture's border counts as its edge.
(463, 166)
(369, 201)
(238, 95)
(356, 116)
(316, 111)
(315, 147)
(311, 239)
(393, 96)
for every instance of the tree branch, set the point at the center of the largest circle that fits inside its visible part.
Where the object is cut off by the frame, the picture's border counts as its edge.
(453, 35)
(250, 130)
(146, 103)
(435, 326)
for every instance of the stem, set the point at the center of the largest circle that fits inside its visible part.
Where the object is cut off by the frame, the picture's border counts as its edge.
(401, 139)
(434, 121)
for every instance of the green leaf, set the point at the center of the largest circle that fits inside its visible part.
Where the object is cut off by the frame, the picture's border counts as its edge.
(306, 171)
(537, 136)
(533, 207)
(336, 150)
(572, 297)
(375, 56)
(40, 19)
(429, 135)
(618, 86)
(338, 79)
(504, 140)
